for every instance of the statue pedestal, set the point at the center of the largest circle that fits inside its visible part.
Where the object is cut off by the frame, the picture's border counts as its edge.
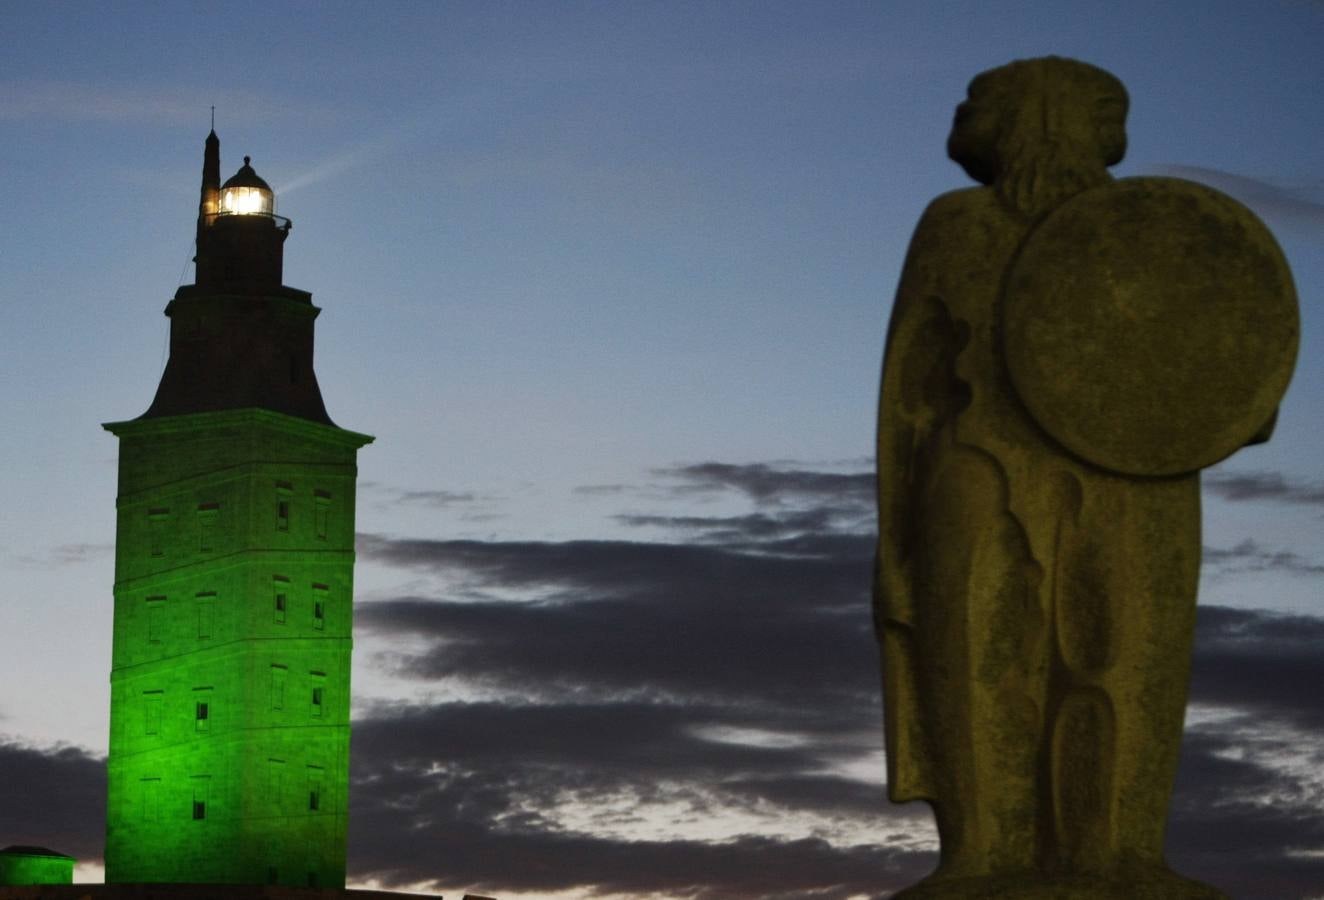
(1147, 884)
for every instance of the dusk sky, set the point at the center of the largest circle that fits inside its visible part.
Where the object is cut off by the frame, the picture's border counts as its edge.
(609, 284)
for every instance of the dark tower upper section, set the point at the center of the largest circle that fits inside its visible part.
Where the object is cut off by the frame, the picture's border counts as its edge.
(238, 337)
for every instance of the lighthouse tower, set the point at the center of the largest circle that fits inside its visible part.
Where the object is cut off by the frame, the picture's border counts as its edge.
(234, 561)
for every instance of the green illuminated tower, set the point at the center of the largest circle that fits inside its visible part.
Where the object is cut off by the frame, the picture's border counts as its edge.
(234, 560)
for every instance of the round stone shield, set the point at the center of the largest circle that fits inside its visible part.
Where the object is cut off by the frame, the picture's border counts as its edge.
(1150, 326)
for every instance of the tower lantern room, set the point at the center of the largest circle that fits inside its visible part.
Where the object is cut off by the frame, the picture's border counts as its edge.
(241, 240)
(245, 194)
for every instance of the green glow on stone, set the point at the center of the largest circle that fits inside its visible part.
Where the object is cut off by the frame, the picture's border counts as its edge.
(234, 527)
(35, 866)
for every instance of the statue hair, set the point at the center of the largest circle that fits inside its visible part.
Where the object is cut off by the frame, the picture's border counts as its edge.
(1061, 123)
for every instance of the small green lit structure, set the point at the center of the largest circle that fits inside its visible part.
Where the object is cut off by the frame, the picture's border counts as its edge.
(34, 865)
(229, 741)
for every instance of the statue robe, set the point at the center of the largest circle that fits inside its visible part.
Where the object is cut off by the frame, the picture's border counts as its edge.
(1033, 610)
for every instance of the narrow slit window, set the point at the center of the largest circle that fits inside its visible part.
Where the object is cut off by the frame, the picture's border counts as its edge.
(206, 612)
(151, 809)
(320, 592)
(155, 620)
(152, 712)
(322, 512)
(201, 788)
(318, 697)
(208, 514)
(275, 781)
(280, 589)
(278, 676)
(156, 529)
(314, 789)
(284, 491)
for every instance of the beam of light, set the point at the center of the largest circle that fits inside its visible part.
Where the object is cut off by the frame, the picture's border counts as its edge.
(351, 158)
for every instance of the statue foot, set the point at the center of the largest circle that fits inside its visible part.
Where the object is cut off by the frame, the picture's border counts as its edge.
(1150, 883)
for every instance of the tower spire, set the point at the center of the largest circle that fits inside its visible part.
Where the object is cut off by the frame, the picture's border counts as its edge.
(209, 203)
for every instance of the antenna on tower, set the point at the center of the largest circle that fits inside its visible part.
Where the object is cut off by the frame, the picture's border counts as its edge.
(213, 118)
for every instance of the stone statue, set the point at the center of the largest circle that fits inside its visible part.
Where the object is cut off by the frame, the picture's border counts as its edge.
(1065, 353)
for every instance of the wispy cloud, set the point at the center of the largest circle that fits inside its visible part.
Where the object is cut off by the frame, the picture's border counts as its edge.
(65, 555)
(70, 101)
(1296, 205)
(436, 498)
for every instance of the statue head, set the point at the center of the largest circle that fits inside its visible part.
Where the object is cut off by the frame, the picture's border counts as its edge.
(1040, 129)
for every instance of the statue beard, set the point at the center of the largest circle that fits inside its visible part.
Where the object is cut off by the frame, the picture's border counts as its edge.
(1034, 182)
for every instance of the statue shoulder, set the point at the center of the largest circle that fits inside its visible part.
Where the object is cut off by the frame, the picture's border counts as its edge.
(955, 207)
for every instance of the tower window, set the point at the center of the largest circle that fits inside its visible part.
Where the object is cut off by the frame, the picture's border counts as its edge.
(207, 516)
(275, 768)
(320, 592)
(206, 606)
(155, 619)
(151, 809)
(152, 712)
(317, 701)
(156, 528)
(200, 715)
(278, 674)
(280, 586)
(283, 492)
(314, 788)
(321, 512)
(201, 785)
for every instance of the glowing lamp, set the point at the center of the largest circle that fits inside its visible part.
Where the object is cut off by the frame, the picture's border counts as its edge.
(245, 194)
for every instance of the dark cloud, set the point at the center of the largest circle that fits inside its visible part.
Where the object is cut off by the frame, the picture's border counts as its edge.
(771, 484)
(646, 691)
(458, 794)
(660, 620)
(752, 527)
(53, 797)
(1249, 556)
(1270, 487)
(732, 668)
(1237, 823)
(1298, 206)
(1265, 664)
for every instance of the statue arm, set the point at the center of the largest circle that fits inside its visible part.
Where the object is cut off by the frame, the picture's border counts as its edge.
(917, 382)
(919, 392)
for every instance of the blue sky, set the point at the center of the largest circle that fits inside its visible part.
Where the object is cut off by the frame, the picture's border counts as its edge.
(609, 283)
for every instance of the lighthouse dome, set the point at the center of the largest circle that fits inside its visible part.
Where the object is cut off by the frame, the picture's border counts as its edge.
(246, 194)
